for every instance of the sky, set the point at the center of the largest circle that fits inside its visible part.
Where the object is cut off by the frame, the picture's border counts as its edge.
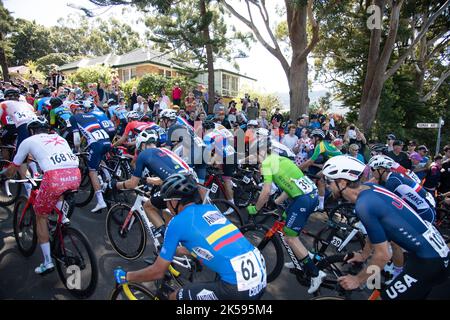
(260, 64)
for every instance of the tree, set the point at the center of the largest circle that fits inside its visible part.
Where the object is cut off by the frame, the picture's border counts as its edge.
(93, 74)
(45, 63)
(6, 23)
(379, 65)
(298, 12)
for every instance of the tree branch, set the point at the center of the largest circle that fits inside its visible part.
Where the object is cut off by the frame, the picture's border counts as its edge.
(422, 33)
(441, 80)
(438, 48)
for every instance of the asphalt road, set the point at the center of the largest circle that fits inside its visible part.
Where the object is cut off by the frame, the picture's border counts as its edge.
(18, 281)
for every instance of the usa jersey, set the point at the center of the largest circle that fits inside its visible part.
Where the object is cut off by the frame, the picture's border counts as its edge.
(160, 162)
(386, 217)
(89, 127)
(217, 243)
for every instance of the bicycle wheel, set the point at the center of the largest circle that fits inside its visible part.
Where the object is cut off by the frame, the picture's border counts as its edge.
(76, 263)
(25, 230)
(138, 290)
(329, 239)
(233, 215)
(129, 243)
(270, 248)
(85, 192)
(8, 198)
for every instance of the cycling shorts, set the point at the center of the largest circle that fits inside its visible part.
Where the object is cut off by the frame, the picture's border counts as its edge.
(53, 185)
(22, 134)
(8, 134)
(417, 279)
(218, 290)
(97, 151)
(157, 200)
(299, 211)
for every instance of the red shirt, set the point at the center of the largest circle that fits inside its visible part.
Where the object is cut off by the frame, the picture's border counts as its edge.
(133, 125)
(176, 93)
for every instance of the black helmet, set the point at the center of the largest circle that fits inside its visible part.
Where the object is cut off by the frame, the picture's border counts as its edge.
(318, 133)
(45, 93)
(179, 186)
(55, 102)
(38, 123)
(379, 147)
(208, 125)
(146, 117)
(11, 93)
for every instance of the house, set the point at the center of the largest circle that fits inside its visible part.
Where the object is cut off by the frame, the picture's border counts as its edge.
(138, 62)
(18, 72)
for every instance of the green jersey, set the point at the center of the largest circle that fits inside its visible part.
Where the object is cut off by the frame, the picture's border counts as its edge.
(286, 175)
(325, 148)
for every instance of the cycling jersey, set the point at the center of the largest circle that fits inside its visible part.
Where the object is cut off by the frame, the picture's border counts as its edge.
(50, 151)
(386, 217)
(160, 162)
(416, 196)
(217, 243)
(286, 175)
(16, 112)
(327, 149)
(396, 167)
(106, 124)
(61, 113)
(192, 144)
(281, 149)
(221, 140)
(43, 103)
(119, 111)
(89, 127)
(133, 129)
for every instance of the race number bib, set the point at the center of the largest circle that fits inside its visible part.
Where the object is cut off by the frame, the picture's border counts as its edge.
(106, 124)
(58, 158)
(305, 184)
(226, 133)
(435, 239)
(9, 120)
(68, 124)
(100, 135)
(250, 270)
(22, 115)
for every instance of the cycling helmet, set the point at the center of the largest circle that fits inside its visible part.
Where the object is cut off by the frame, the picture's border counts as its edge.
(11, 94)
(168, 114)
(253, 123)
(318, 133)
(88, 105)
(179, 186)
(149, 136)
(378, 147)
(112, 102)
(37, 123)
(45, 93)
(146, 117)
(262, 132)
(55, 102)
(76, 105)
(133, 115)
(208, 125)
(343, 167)
(381, 161)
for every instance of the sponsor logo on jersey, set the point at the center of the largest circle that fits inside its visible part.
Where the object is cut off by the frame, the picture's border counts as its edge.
(214, 217)
(203, 253)
(206, 295)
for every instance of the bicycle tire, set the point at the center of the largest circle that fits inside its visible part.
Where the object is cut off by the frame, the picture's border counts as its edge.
(15, 188)
(261, 244)
(113, 224)
(65, 260)
(138, 291)
(223, 205)
(86, 191)
(20, 204)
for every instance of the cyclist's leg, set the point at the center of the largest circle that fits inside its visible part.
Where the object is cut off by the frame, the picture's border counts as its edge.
(152, 209)
(96, 152)
(228, 171)
(398, 259)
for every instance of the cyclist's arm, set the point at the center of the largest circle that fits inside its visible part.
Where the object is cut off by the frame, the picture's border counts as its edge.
(317, 151)
(264, 195)
(121, 141)
(153, 272)
(131, 183)
(283, 197)
(380, 257)
(52, 117)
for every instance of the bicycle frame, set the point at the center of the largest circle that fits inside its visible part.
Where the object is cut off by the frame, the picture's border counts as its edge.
(215, 183)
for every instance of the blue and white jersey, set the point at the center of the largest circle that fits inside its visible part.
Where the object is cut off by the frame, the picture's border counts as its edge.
(89, 127)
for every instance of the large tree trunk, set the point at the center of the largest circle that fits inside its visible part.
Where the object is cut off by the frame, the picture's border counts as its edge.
(298, 73)
(209, 60)
(3, 61)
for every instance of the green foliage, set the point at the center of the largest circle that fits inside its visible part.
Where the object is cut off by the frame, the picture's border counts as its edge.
(151, 84)
(35, 72)
(267, 100)
(128, 86)
(46, 63)
(92, 74)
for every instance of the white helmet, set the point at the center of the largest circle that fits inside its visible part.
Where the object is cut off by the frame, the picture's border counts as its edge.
(262, 132)
(133, 115)
(146, 137)
(252, 123)
(169, 114)
(343, 167)
(381, 161)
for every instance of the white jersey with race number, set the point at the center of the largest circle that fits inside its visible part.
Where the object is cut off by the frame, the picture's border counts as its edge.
(50, 151)
(16, 112)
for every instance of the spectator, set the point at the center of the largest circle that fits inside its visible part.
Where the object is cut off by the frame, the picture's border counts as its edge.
(444, 185)
(314, 124)
(277, 116)
(133, 97)
(446, 153)
(220, 118)
(433, 175)
(277, 133)
(176, 95)
(139, 105)
(353, 150)
(262, 119)
(300, 126)
(151, 102)
(182, 113)
(101, 92)
(232, 107)
(219, 106)
(390, 142)
(191, 118)
(421, 169)
(290, 140)
(399, 156)
(415, 158)
(303, 147)
(190, 103)
(146, 107)
(198, 94)
(306, 118)
(411, 147)
(252, 111)
(256, 103)
(354, 136)
(164, 101)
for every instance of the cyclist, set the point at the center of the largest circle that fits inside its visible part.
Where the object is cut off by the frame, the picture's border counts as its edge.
(386, 217)
(158, 162)
(118, 114)
(107, 124)
(61, 173)
(303, 197)
(59, 114)
(179, 131)
(216, 242)
(98, 145)
(328, 150)
(9, 130)
(43, 102)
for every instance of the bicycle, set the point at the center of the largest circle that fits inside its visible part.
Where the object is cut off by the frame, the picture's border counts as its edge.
(69, 247)
(8, 194)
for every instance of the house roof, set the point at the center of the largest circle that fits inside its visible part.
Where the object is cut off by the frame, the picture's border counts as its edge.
(18, 69)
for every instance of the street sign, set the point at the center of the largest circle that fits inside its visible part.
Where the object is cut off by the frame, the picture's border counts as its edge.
(428, 125)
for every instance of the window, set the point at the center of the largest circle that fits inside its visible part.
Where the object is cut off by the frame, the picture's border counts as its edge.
(127, 74)
(168, 74)
(230, 85)
(161, 72)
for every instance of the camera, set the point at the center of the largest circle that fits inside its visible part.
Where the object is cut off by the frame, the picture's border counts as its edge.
(352, 127)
